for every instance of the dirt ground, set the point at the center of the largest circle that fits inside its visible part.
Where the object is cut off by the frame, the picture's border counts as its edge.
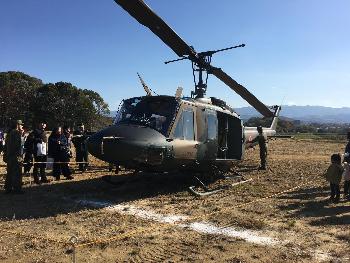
(153, 217)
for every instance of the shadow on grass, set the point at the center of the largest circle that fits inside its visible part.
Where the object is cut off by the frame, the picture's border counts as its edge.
(52, 199)
(314, 204)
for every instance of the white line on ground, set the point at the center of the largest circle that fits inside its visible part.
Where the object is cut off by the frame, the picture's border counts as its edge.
(180, 221)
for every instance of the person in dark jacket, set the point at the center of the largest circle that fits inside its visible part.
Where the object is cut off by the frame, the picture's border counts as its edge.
(2, 141)
(13, 159)
(67, 133)
(40, 153)
(28, 153)
(79, 141)
(347, 150)
(59, 151)
(262, 146)
(333, 176)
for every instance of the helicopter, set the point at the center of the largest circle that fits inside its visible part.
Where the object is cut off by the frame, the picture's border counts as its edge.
(163, 133)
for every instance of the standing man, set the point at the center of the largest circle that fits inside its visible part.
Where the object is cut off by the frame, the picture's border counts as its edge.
(347, 150)
(79, 141)
(40, 153)
(58, 150)
(2, 141)
(263, 149)
(28, 153)
(13, 158)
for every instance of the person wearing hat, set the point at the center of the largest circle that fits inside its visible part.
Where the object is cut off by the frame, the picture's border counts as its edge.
(13, 158)
(79, 142)
(262, 145)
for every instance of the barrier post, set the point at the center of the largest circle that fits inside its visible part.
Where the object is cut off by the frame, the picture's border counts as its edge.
(73, 240)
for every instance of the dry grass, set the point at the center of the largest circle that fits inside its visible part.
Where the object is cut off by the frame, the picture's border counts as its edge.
(302, 217)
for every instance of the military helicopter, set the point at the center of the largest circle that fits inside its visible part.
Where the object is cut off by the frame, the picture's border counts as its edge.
(169, 133)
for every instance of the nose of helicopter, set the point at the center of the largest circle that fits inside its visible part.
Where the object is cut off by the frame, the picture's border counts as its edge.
(120, 143)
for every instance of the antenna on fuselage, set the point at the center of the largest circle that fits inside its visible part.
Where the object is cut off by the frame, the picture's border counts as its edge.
(178, 93)
(145, 87)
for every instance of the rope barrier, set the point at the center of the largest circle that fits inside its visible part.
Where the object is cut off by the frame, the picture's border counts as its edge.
(74, 240)
(34, 237)
(142, 229)
(251, 202)
(56, 162)
(109, 240)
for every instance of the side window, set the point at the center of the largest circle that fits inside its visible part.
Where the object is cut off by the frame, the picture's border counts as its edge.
(212, 122)
(178, 133)
(185, 127)
(188, 125)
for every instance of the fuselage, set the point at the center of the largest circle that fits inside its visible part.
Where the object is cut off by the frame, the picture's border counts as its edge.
(164, 133)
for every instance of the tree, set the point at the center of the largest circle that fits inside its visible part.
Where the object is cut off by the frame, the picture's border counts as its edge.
(27, 98)
(16, 93)
(101, 110)
(64, 104)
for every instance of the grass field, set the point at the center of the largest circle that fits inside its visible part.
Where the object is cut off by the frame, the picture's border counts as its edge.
(153, 218)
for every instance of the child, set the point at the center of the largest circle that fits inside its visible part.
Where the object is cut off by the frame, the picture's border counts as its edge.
(346, 177)
(333, 176)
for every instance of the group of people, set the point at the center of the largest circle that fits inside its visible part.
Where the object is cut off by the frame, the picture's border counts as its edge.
(39, 151)
(338, 171)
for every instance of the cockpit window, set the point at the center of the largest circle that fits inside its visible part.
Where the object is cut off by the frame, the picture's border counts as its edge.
(155, 112)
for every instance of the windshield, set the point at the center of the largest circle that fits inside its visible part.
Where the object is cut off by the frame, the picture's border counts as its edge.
(155, 112)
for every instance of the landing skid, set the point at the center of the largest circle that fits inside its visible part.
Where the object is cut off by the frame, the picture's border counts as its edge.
(108, 179)
(207, 191)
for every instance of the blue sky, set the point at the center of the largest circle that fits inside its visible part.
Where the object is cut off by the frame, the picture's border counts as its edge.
(296, 51)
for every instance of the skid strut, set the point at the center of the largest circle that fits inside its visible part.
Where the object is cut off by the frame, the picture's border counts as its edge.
(207, 191)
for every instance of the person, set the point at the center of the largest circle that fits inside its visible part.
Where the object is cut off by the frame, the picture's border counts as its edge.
(23, 140)
(347, 150)
(2, 141)
(28, 153)
(81, 153)
(58, 150)
(346, 177)
(67, 133)
(13, 158)
(262, 145)
(40, 153)
(333, 176)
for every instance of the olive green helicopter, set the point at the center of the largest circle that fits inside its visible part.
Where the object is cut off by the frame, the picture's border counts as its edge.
(160, 133)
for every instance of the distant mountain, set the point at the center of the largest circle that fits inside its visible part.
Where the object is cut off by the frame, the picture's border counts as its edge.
(112, 114)
(306, 114)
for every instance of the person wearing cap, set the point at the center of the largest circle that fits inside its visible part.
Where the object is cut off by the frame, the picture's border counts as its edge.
(81, 153)
(13, 158)
(262, 145)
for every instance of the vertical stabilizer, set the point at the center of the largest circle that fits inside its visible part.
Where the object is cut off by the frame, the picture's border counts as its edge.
(275, 117)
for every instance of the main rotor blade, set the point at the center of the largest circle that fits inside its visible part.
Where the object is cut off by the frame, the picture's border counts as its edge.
(242, 91)
(144, 15)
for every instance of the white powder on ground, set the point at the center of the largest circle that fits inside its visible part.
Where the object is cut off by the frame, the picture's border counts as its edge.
(179, 221)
